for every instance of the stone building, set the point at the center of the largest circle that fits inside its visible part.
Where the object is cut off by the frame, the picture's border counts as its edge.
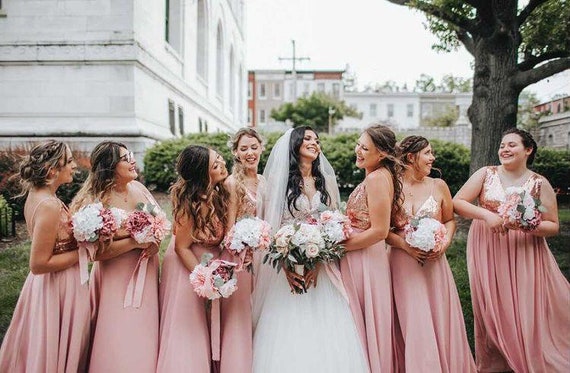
(131, 70)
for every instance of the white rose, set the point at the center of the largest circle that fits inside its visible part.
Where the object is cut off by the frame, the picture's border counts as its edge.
(312, 250)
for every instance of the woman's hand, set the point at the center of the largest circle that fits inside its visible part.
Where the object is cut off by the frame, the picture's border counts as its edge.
(420, 256)
(311, 277)
(495, 223)
(151, 250)
(295, 281)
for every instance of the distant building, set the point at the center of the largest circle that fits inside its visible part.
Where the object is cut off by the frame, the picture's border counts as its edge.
(133, 71)
(554, 127)
(269, 89)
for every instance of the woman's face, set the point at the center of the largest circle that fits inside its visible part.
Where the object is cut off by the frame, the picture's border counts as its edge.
(512, 150)
(423, 160)
(126, 169)
(311, 146)
(368, 156)
(248, 152)
(217, 168)
(65, 174)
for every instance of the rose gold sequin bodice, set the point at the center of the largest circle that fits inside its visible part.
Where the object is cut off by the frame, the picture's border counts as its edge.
(493, 193)
(211, 238)
(357, 208)
(65, 241)
(248, 206)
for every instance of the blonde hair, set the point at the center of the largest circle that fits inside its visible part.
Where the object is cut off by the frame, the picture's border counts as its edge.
(35, 168)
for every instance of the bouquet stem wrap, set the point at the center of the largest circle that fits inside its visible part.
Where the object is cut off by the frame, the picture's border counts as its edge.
(135, 288)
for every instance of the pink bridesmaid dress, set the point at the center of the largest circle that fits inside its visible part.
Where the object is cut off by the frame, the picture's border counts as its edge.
(49, 331)
(366, 277)
(189, 340)
(237, 326)
(430, 330)
(521, 300)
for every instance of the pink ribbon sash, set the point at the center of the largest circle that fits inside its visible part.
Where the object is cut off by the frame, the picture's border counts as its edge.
(215, 329)
(135, 288)
(86, 253)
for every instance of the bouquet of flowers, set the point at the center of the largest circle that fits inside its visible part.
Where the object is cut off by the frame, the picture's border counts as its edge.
(521, 210)
(301, 246)
(247, 235)
(426, 233)
(91, 224)
(214, 278)
(147, 224)
(335, 227)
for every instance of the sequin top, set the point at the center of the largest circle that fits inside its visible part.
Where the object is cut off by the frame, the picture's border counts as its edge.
(211, 238)
(65, 241)
(248, 206)
(430, 207)
(357, 208)
(493, 194)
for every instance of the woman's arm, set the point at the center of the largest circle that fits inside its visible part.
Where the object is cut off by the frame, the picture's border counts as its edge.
(183, 241)
(118, 247)
(231, 185)
(397, 241)
(447, 217)
(380, 192)
(463, 203)
(46, 225)
(550, 225)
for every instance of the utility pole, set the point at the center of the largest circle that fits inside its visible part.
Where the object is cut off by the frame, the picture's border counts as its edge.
(294, 71)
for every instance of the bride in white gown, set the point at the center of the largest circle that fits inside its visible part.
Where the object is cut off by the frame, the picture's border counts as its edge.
(312, 332)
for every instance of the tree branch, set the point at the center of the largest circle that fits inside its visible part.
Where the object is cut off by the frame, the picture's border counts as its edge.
(531, 61)
(523, 79)
(436, 11)
(531, 6)
(467, 41)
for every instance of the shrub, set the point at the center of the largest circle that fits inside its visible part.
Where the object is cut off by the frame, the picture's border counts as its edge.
(453, 161)
(6, 219)
(555, 166)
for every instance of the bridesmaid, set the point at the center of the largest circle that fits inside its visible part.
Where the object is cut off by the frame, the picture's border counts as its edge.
(49, 331)
(242, 184)
(365, 268)
(199, 202)
(125, 333)
(521, 300)
(429, 318)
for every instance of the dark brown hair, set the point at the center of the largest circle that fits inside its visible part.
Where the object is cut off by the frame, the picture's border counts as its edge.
(527, 141)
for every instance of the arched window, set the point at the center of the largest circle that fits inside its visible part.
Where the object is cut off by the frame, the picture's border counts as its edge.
(232, 81)
(219, 61)
(202, 42)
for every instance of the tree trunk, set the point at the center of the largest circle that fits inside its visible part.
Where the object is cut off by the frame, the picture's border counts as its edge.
(494, 105)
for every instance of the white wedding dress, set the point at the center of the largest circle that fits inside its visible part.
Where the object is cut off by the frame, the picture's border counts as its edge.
(312, 332)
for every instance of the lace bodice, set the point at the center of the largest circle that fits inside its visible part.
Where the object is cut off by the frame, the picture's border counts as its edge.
(65, 241)
(493, 194)
(357, 208)
(305, 210)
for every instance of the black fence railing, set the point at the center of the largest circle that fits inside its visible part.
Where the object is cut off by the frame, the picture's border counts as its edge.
(7, 222)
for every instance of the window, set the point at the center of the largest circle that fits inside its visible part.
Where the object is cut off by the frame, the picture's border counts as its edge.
(249, 115)
(171, 117)
(262, 116)
(206, 126)
(277, 90)
(262, 90)
(181, 120)
(201, 45)
(2, 12)
(410, 110)
(306, 89)
(373, 113)
(219, 61)
(390, 110)
(173, 24)
(200, 126)
(321, 87)
(249, 90)
(336, 90)
(232, 81)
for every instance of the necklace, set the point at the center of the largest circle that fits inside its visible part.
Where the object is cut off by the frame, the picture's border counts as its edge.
(122, 195)
(308, 184)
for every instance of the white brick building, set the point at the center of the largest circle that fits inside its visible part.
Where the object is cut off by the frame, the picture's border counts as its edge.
(132, 70)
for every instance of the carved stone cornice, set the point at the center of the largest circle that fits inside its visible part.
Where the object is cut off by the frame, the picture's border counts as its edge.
(57, 52)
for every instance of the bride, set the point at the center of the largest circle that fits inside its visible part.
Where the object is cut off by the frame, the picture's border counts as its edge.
(312, 332)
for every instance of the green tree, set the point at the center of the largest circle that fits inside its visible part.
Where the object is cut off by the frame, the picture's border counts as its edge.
(314, 111)
(452, 84)
(513, 47)
(446, 117)
(425, 83)
(527, 118)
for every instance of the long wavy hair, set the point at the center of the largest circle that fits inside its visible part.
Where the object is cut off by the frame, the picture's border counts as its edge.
(295, 180)
(527, 141)
(35, 167)
(101, 179)
(193, 196)
(384, 140)
(238, 170)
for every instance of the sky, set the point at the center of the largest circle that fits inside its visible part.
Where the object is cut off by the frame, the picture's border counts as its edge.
(379, 41)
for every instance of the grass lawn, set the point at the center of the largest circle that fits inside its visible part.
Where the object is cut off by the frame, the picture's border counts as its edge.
(14, 269)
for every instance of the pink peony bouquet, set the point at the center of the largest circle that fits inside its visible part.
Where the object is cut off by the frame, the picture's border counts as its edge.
(214, 278)
(335, 227)
(246, 236)
(91, 224)
(520, 209)
(147, 224)
(426, 233)
(301, 246)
